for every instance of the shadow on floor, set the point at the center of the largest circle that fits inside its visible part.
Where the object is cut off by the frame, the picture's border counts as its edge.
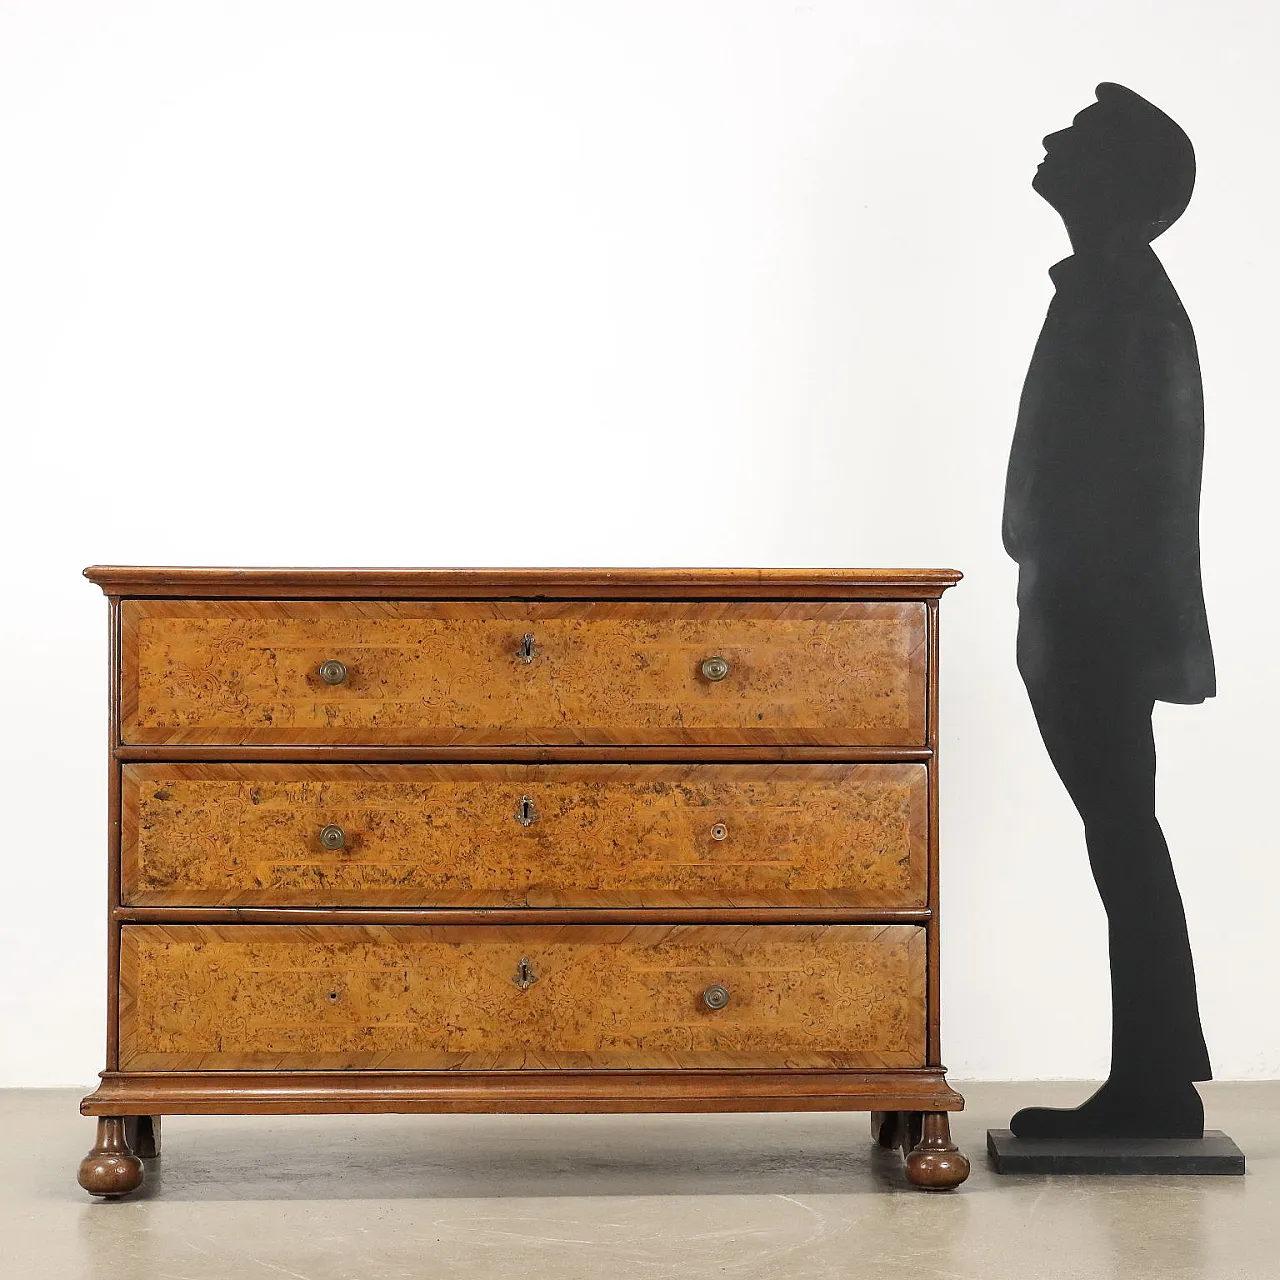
(359, 1158)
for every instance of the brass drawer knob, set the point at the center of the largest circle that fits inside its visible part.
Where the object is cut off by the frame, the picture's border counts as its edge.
(719, 831)
(333, 671)
(715, 669)
(716, 996)
(333, 836)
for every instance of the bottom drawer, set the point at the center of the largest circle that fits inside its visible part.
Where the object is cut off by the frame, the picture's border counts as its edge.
(422, 997)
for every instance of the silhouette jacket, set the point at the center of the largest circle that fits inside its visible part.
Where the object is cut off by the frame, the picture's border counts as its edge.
(1102, 503)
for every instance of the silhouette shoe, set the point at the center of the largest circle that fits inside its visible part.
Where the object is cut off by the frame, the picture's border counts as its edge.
(1170, 1109)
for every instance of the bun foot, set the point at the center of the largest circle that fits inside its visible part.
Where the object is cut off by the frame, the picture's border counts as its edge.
(142, 1136)
(110, 1168)
(896, 1129)
(935, 1163)
(884, 1128)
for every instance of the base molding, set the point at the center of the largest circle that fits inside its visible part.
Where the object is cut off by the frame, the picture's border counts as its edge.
(409, 1092)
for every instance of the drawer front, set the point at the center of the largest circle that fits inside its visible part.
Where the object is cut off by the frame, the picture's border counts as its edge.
(293, 997)
(455, 674)
(615, 835)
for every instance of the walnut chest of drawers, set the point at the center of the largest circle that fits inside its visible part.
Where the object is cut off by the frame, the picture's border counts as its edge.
(522, 840)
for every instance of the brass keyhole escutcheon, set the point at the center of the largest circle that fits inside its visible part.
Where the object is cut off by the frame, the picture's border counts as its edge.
(719, 831)
(716, 996)
(528, 648)
(524, 976)
(333, 672)
(715, 669)
(526, 814)
(333, 836)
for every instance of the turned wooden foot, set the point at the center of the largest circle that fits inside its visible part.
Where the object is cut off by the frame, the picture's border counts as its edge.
(110, 1168)
(884, 1128)
(896, 1129)
(142, 1136)
(935, 1163)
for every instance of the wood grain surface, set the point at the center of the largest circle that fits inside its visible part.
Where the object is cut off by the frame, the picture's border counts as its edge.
(772, 753)
(252, 970)
(402, 1092)
(243, 997)
(606, 673)
(645, 835)
(532, 584)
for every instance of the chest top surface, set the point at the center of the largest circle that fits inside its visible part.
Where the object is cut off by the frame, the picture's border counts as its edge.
(536, 584)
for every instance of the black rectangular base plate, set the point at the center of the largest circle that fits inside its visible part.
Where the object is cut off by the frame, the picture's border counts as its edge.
(1215, 1153)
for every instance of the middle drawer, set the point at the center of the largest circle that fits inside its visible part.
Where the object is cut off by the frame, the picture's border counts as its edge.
(505, 835)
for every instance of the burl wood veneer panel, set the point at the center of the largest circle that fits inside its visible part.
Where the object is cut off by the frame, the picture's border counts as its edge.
(300, 997)
(238, 672)
(449, 835)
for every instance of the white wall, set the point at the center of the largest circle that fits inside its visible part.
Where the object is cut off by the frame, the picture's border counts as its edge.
(289, 282)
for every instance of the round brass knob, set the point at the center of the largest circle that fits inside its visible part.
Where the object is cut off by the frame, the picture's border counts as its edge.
(333, 836)
(719, 831)
(333, 671)
(715, 669)
(716, 996)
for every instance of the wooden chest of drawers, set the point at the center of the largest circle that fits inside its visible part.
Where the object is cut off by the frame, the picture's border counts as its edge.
(522, 840)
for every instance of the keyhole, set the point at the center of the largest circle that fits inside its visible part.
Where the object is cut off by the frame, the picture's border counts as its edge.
(524, 976)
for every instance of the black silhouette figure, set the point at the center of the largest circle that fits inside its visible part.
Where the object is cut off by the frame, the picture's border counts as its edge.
(1102, 515)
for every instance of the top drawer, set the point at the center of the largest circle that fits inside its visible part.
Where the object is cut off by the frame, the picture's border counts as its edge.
(469, 673)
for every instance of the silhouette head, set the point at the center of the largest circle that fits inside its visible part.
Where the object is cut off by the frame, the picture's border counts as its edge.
(1122, 172)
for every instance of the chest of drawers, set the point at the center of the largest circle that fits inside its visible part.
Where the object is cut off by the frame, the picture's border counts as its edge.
(522, 840)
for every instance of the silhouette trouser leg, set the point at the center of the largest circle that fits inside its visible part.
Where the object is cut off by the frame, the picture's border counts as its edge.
(1102, 745)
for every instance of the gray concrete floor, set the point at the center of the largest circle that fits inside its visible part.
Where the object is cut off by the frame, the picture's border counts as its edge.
(616, 1198)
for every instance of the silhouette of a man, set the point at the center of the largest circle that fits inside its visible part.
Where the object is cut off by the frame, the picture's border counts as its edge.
(1102, 516)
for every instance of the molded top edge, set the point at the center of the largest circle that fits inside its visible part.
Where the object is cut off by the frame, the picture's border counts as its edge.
(585, 584)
